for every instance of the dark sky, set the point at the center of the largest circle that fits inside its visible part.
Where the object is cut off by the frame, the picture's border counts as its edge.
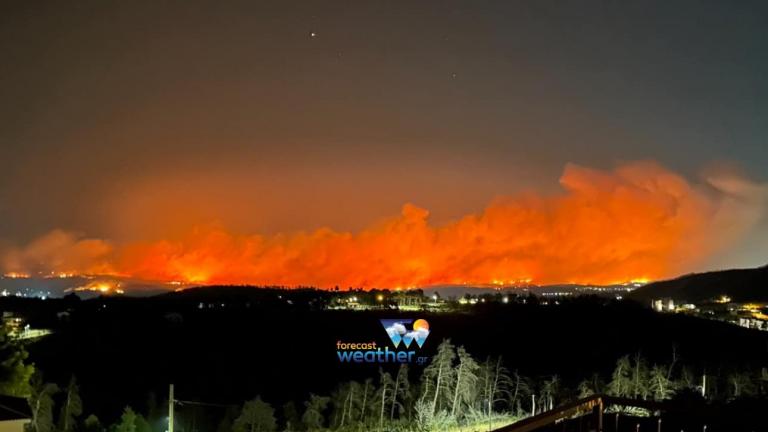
(136, 119)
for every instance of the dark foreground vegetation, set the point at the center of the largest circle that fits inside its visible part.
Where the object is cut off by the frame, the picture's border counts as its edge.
(242, 363)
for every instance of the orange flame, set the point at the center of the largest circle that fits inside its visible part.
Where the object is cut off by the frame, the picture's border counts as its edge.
(637, 222)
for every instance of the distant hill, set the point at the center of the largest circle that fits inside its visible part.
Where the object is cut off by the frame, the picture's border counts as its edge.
(739, 284)
(86, 286)
(456, 291)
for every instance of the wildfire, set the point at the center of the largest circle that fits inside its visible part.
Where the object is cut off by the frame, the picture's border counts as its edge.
(637, 223)
(102, 287)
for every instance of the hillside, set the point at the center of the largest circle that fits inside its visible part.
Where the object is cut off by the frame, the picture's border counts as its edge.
(740, 284)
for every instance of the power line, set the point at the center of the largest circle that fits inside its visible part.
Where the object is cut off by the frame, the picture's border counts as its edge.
(185, 402)
(24, 415)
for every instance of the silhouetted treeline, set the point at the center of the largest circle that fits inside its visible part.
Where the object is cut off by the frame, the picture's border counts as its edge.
(454, 390)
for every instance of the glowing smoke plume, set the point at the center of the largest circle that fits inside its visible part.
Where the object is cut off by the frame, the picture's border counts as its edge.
(639, 221)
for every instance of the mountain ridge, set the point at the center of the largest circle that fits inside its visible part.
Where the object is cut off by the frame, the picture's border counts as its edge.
(741, 285)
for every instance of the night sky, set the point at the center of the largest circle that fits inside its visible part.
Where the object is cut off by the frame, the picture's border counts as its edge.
(138, 121)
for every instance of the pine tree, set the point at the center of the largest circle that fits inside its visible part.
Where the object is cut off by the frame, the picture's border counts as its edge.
(384, 394)
(291, 416)
(466, 382)
(313, 415)
(660, 385)
(127, 421)
(621, 382)
(521, 390)
(589, 387)
(423, 415)
(439, 376)
(339, 400)
(640, 378)
(72, 407)
(142, 425)
(485, 379)
(364, 403)
(585, 389)
(92, 424)
(549, 391)
(740, 384)
(41, 404)
(496, 385)
(256, 416)
(401, 392)
(671, 368)
(353, 402)
(687, 379)
(502, 383)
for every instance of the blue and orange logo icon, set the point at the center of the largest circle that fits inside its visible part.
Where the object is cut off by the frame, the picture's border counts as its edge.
(397, 330)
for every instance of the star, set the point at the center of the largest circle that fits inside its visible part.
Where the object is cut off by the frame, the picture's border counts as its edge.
(312, 34)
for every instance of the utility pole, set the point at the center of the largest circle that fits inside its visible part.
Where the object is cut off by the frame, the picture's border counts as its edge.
(600, 408)
(704, 385)
(170, 408)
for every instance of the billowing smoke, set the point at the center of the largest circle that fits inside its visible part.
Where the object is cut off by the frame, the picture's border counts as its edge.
(59, 252)
(638, 221)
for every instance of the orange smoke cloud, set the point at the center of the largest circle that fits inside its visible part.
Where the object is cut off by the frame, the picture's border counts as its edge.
(639, 221)
(59, 252)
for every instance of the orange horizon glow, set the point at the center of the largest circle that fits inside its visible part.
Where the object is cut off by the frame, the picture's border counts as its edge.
(636, 223)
